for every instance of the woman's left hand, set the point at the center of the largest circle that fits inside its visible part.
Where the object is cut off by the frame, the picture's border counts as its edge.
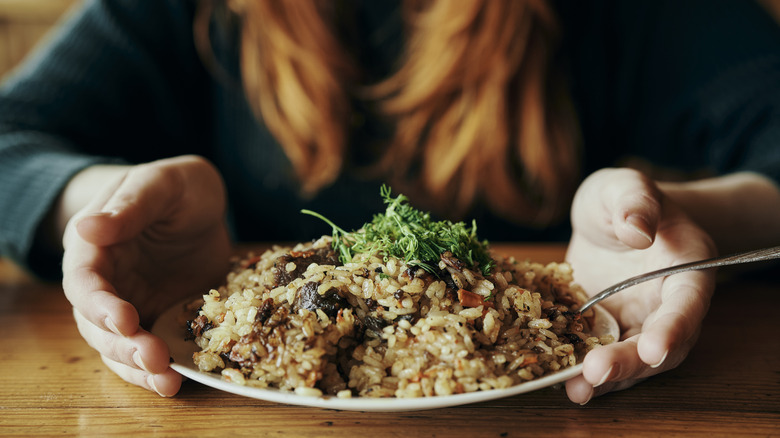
(623, 226)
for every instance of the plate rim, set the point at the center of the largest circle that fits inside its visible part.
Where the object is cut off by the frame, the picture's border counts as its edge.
(166, 327)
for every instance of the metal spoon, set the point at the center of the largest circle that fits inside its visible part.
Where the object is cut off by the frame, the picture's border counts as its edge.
(734, 259)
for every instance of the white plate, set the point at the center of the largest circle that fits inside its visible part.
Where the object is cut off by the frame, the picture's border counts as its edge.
(172, 332)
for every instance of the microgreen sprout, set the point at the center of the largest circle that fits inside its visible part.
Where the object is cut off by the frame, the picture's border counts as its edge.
(407, 233)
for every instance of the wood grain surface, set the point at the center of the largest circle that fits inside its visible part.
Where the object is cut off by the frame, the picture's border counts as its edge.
(52, 383)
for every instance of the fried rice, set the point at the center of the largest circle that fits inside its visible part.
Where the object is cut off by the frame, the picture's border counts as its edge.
(297, 319)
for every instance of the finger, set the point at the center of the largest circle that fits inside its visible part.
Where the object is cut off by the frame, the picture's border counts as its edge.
(166, 384)
(618, 206)
(581, 391)
(85, 271)
(603, 367)
(140, 199)
(165, 192)
(613, 362)
(635, 204)
(93, 207)
(685, 301)
(84, 281)
(142, 351)
(618, 366)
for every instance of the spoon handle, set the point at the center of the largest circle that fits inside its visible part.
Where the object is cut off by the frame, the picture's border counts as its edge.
(734, 259)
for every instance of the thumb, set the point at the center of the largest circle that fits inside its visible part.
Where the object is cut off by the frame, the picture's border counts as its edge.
(126, 209)
(150, 193)
(617, 207)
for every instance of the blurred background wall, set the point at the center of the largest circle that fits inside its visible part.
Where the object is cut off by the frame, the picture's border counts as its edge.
(23, 23)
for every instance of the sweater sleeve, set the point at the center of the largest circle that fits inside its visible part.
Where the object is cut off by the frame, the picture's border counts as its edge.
(707, 86)
(691, 86)
(118, 82)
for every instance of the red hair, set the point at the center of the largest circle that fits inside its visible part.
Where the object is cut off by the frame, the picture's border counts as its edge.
(478, 110)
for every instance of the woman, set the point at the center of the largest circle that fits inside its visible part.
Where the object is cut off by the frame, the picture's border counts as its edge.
(488, 109)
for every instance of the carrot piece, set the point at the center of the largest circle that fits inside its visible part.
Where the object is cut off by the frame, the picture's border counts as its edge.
(470, 299)
(529, 359)
(250, 262)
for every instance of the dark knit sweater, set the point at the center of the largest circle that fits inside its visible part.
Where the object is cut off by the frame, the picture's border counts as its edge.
(690, 85)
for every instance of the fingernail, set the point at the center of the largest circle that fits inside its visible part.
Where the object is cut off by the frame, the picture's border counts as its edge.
(590, 396)
(109, 323)
(605, 377)
(660, 362)
(139, 361)
(150, 381)
(107, 213)
(639, 225)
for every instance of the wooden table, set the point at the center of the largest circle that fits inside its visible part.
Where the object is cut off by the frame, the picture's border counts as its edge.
(53, 384)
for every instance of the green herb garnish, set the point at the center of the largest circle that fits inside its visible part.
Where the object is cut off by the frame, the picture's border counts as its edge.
(407, 233)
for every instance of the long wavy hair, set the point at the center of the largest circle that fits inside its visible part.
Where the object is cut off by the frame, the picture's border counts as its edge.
(480, 114)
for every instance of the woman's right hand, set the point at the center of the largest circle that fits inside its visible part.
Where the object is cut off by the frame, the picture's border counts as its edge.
(152, 237)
